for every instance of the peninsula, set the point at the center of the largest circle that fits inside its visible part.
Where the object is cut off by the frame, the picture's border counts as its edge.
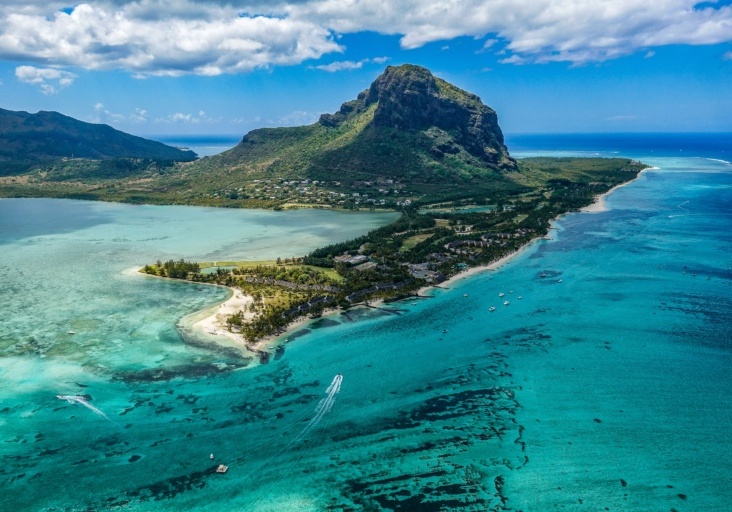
(410, 142)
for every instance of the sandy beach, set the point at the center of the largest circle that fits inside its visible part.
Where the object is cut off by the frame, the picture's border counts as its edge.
(215, 323)
(600, 205)
(477, 270)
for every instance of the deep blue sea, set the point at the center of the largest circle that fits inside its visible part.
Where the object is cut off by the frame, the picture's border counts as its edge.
(606, 386)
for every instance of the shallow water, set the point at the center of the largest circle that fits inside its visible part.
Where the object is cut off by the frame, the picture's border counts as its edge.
(607, 389)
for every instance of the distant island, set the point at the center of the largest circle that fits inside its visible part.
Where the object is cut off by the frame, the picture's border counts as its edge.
(411, 142)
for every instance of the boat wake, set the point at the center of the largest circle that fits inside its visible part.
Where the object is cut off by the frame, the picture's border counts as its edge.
(78, 399)
(324, 406)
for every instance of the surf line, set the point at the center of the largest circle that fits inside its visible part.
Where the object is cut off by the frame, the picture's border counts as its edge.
(78, 399)
(323, 407)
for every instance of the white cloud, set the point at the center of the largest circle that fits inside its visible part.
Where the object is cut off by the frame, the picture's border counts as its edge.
(184, 118)
(575, 31)
(346, 65)
(177, 37)
(340, 66)
(50, 80)
(104, 116)
(297, 118)
(158, 37)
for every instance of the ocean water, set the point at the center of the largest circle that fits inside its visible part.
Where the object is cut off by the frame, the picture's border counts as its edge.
(201, 145)
(606, 386)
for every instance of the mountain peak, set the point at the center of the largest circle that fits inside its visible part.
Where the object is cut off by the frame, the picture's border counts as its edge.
(410, 133)
(411, 98)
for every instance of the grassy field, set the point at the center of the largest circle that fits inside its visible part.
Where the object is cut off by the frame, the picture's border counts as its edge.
(329, 272)
(410, 242)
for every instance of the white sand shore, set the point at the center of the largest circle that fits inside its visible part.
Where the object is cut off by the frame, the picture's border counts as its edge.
(480, 269)
(600, 205)
(215, 324)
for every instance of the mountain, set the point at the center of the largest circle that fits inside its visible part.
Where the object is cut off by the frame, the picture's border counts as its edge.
(27, 140)
(409, 127)
(409, 139)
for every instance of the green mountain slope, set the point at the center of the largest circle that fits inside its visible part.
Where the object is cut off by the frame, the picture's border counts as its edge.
(409, 128)
(27, 140)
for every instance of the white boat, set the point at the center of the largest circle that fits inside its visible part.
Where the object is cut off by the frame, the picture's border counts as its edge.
(505, 303)
(492, 308)
(560, 280)
(465, 294)
(520, 297)
(72, 332)
(501, 294)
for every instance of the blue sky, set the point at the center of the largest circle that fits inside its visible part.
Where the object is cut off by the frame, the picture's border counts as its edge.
(157, 67)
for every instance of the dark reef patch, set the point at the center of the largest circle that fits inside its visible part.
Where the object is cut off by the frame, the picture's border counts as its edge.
(322, 323)
(189, 371)
(172, 487)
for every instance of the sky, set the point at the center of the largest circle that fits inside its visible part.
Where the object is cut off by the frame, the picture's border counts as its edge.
(178, 67)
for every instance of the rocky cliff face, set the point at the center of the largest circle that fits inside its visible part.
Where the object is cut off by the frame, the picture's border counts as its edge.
(410, 98)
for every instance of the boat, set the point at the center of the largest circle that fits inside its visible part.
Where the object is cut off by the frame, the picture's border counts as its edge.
(560, 280)
(444, 331)
(506, 303)
(520, 297)
(492, 308)
(465, 294)
(222, 469)
(72, 332)
(501, 294)
(542, 275)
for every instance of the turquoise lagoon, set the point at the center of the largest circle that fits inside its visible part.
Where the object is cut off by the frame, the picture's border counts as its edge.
(607, 386)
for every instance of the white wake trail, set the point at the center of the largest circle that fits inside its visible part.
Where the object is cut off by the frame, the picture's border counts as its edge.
(323, 407)
(77, 399)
